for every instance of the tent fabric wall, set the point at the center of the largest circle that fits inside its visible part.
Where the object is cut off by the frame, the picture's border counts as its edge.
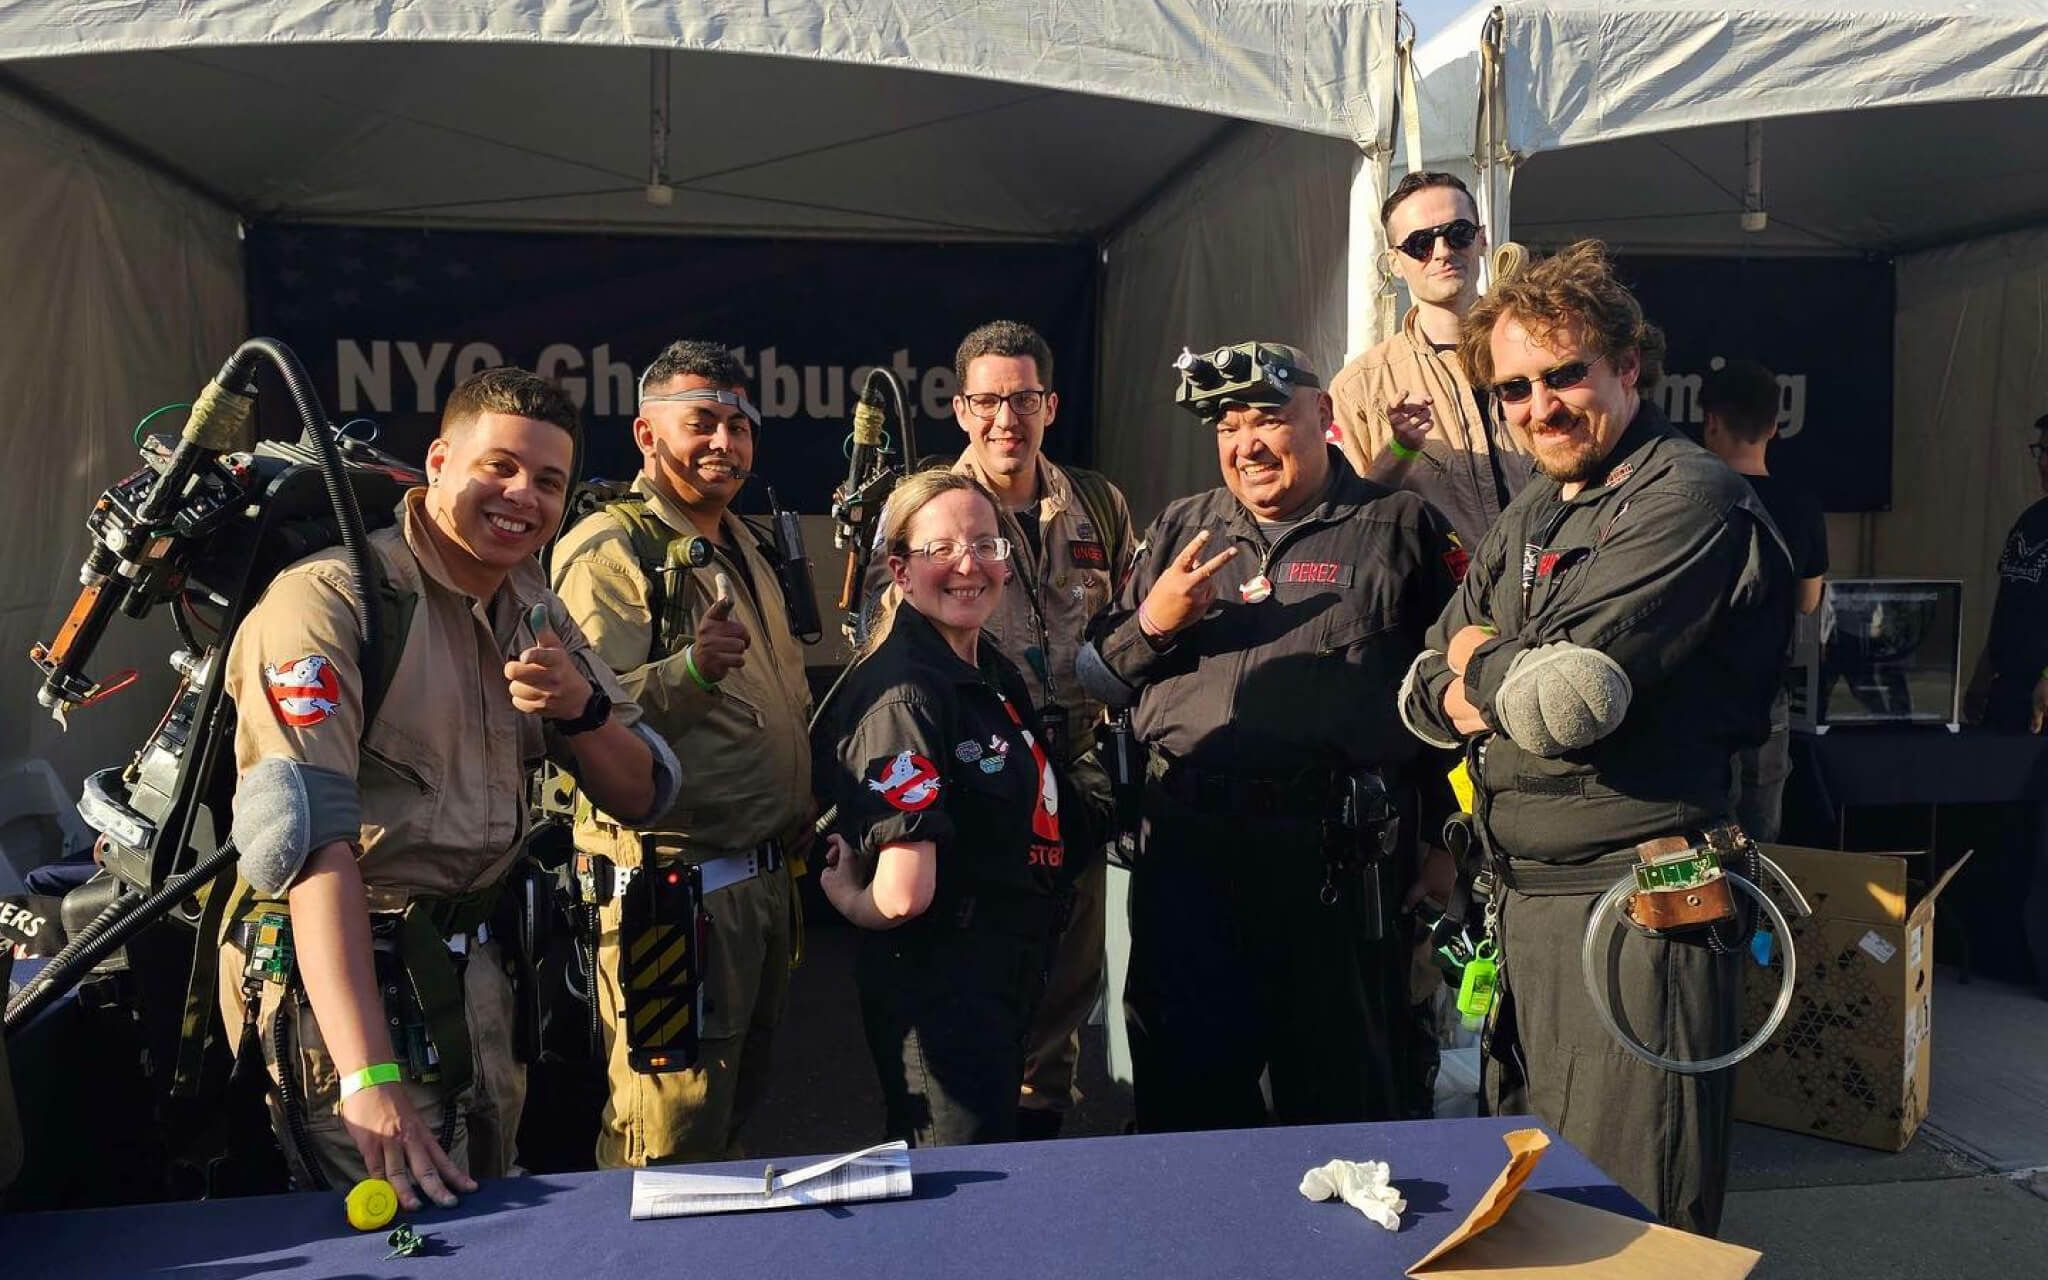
(124, 291)
(1251, 245)
(1971, 377)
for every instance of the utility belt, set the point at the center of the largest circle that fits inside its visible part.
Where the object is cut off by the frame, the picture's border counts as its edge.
(663, 931)
(1681, 882)
(1359, 823)
(1303, 797)
(419, 953)
(600, 880)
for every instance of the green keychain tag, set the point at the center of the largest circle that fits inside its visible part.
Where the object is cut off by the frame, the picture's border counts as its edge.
(1475, 990)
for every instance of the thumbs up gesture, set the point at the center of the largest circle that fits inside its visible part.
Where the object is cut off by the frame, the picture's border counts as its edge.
(543, 680)
(721, 640)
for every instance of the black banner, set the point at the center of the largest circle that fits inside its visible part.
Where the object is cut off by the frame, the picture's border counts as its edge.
(31, 925)
(1823, 325)
(387, 321)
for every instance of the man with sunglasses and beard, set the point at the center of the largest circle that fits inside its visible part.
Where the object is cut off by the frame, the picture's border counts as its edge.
(1407, 414)
(1616, 641)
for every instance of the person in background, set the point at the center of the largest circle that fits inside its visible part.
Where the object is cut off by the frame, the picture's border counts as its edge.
(1407, 414)
(2008, 691)
(1740, 400)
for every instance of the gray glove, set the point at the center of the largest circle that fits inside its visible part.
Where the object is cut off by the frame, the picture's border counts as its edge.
(1561, 697)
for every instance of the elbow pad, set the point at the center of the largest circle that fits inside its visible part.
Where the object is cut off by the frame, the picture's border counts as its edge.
(1100, 682)
(1561, 697)
(668, 775)
(284, 810)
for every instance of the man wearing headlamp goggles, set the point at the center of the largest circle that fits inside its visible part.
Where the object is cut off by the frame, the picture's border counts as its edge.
(1407, 414)
(682, 599)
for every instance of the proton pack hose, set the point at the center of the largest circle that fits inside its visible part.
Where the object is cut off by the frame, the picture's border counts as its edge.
(119, 922)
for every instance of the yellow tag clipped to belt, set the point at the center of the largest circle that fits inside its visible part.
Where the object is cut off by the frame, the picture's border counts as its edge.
(1461, 787)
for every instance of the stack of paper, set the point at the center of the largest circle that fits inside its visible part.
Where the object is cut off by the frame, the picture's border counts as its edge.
(878, 1173)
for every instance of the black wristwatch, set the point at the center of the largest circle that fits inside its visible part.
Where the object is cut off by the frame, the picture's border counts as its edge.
(595, 713)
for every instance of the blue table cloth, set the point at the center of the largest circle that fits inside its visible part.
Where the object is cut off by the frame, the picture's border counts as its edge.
(1174, 1206)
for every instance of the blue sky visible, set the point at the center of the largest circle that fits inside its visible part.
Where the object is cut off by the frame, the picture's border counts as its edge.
(1431, 16)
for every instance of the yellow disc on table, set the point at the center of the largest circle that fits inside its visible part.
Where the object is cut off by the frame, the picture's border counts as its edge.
(372, 1204)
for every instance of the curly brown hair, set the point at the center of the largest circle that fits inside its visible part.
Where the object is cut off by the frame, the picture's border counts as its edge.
(1576, 289)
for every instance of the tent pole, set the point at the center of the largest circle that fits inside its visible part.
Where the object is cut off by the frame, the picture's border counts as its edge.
(659, 193)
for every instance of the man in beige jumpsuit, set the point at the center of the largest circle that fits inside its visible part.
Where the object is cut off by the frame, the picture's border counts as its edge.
(369, 840)
(722, 680)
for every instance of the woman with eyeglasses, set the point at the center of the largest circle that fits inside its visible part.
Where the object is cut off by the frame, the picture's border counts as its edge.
(947, 847)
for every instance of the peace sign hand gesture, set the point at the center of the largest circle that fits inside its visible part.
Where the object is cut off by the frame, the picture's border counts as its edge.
(1184, 592)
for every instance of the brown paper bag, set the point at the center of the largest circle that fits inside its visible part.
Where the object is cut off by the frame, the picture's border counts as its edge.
(1510, 1234)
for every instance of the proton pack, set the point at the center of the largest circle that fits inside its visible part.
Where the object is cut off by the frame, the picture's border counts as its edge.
(199, 531)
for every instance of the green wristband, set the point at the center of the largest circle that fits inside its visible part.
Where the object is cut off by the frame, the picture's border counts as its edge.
(690, 665)
(369, 1078)
(1402, 451)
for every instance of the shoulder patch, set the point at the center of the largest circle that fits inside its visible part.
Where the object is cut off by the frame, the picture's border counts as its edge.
(906, 780)
(303, 693)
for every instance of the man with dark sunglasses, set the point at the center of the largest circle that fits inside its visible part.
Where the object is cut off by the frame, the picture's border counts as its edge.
(1617, 639)
(1407, 416)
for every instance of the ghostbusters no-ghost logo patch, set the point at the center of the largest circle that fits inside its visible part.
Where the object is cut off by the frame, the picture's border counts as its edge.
(303, 693)
(907, 781)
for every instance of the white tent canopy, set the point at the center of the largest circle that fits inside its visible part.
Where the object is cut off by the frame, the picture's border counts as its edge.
(925, 119)
(140, 134)
(1908, 129)
(1887, 125)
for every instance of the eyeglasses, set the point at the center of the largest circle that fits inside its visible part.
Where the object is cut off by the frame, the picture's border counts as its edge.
(986, 404)
(1459, 234)
(1563, 378)
(949, 550)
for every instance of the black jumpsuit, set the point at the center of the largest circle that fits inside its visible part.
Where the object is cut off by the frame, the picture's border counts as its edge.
(924, 747)
(1667, 563)
(1239, 967)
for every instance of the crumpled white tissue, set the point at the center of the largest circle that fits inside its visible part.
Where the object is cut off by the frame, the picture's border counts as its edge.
(1365, 1185)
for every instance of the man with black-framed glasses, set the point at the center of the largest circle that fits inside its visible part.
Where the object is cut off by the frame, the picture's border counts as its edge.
(1407, 414)
(1617, 640)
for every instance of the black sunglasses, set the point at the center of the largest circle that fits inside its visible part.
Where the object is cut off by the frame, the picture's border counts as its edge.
(1563, 378)
(1459, 234)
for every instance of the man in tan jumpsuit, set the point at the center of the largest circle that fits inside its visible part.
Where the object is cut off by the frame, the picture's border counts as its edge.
(1409, 417)
(395, 839)
(1406, 413)
(1064, 566)
(721, 678)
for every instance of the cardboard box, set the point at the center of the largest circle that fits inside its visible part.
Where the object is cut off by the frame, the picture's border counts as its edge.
(1850, 1061)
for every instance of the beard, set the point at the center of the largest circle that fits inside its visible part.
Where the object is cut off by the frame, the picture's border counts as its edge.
(1571, 464)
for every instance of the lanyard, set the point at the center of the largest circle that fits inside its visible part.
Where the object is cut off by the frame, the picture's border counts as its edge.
(1532, 555)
